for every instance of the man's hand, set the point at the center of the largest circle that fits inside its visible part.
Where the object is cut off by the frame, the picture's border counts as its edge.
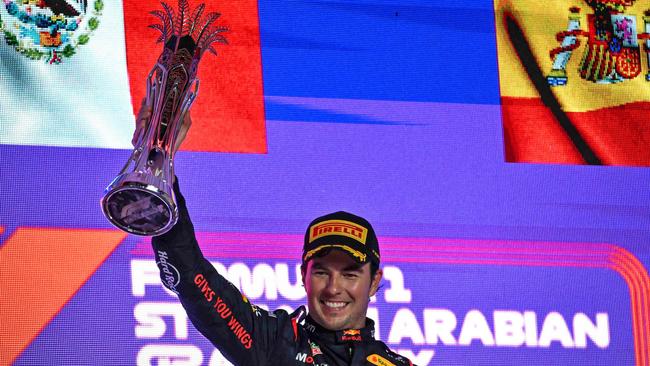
(142, 120)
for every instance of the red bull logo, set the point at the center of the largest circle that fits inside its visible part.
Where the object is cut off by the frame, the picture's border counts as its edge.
(352, 335)
(338, 227)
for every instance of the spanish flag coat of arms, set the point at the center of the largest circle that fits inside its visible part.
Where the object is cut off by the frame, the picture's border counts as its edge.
(575, 80)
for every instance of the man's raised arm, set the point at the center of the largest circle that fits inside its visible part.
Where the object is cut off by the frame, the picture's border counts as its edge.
(241, 332)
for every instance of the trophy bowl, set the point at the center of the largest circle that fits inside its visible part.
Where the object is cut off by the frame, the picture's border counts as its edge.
(140, 206)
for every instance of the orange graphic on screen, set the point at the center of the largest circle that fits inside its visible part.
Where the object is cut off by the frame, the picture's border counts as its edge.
(575, 81)
(42, 269)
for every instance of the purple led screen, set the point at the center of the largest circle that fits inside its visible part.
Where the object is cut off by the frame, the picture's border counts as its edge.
(486, 262)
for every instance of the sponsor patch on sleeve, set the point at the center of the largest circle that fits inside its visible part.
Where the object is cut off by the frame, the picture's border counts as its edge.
(376, 359)
(168, 273)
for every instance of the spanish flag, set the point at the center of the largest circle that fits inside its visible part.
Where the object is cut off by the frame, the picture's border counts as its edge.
(575, 82)
(73, 72)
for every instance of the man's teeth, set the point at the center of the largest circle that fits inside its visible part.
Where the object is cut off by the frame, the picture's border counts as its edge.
(334, 304)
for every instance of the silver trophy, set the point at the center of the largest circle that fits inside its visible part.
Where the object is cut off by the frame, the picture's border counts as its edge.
(140, 200)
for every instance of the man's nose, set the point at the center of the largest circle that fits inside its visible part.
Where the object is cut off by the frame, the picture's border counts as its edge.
(333, 284)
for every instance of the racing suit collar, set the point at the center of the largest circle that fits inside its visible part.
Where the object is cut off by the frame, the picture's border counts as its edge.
(320, 333)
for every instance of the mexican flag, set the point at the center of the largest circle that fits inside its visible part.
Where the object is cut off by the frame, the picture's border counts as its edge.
(73, 72)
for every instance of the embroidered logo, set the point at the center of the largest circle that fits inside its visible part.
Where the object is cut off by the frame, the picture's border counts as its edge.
(354, 252)
(612, 53)
(338, 227)
(315, 349)
(351, 335)
(168, 273)
(379, 361)
(49, 30)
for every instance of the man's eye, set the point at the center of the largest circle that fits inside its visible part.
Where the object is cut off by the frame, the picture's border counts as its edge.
(350, 275)
(319, 273)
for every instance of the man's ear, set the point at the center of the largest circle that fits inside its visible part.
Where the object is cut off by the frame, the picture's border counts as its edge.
(303, 269)
(376, 281)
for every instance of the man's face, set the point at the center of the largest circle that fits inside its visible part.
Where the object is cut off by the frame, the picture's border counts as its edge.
(338, 290)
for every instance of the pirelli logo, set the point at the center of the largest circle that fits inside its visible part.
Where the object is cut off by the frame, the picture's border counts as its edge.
(338, 227)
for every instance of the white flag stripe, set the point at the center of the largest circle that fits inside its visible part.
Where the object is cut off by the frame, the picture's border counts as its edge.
(84, 101)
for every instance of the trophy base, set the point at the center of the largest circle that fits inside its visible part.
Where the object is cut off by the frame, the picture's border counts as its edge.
(139, 209)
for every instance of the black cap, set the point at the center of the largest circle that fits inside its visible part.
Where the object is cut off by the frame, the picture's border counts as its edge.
(341, 230)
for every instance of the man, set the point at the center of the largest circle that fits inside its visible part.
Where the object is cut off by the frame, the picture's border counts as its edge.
(340, 272)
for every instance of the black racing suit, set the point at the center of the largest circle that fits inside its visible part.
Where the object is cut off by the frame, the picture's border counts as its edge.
(244, 333)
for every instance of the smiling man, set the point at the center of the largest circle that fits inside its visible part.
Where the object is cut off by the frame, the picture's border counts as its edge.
(340, 272)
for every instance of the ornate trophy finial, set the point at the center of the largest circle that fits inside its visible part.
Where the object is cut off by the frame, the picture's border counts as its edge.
(140, 200)
(175, 30)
